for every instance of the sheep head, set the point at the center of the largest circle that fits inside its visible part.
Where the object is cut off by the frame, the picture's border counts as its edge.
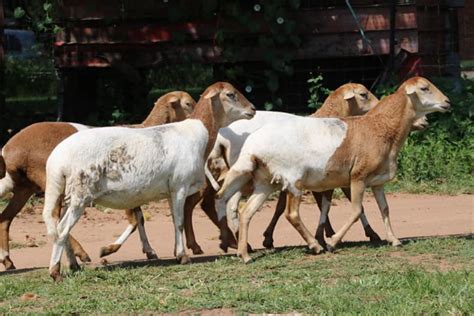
(350, 99)
(171, 107)
(225, 97)
(425, 96)
(358, 98)
(420, 124)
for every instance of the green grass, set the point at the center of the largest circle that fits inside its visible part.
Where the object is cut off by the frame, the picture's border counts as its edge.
(431, 276)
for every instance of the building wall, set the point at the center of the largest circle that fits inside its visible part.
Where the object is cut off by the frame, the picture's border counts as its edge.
(466, 30)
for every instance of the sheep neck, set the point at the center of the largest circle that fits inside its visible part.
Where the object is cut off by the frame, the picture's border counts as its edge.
(212, 116)
(395, 115)
(332, 108)
(153, 120)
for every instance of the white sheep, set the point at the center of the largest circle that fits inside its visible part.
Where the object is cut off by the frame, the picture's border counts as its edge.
(24, 157)
(323, 154)
(121, 167)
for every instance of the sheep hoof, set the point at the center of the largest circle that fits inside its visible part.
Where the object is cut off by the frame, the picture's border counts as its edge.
(329, 248)
(316, 249)
(374, 238)
(85, 258)
(322, 242)
(268, 243)
(246, 259)
(8, 264)
(74, 267)
(396, 243)
(151, 256)
(184, 259)
(197, 250)
(105, 251)
(224, 247)
(55, 273)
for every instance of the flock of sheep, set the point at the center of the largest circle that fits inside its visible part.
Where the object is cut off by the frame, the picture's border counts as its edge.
(215, 151)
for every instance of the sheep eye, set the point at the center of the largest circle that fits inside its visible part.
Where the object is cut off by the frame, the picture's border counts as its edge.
(425, 89)
(364, 95)
(231, 96)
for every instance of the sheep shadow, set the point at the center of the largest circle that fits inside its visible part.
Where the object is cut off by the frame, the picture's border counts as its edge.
(257, 254)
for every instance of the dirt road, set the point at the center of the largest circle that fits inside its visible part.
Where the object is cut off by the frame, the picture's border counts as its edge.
(412, 216)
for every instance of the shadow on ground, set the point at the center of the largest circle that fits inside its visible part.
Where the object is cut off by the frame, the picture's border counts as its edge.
(257, 253)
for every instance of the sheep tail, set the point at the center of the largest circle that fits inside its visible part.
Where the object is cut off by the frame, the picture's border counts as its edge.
(52, 202)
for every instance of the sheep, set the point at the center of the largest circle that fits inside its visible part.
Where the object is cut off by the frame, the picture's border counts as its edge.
(120, 167)
(323, 199)
(25, 157)
(323, 154)
(349, 99)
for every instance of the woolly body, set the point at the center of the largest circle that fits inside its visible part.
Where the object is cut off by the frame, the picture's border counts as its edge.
(125, 175)
(313, 141)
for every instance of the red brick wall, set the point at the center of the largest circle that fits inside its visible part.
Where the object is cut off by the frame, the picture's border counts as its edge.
(466, 30)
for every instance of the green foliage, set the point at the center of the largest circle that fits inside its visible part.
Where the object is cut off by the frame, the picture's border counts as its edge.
(431, 276)
(266, 29)
(30, 77)
(317, 92)
(38, 16)
(443, 154)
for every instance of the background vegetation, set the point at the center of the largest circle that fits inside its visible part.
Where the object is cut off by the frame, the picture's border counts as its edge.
(439, 159)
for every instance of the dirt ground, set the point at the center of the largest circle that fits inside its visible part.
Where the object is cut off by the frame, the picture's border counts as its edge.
(411, 215)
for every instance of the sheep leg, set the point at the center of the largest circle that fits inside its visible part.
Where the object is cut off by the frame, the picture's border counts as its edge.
(73, 265)
(318, 196)
(231, 211)
(293, 215)
(369, 232)
(233, 183)
(131, 227)
(189, 205)
(146, 247)
(323, 199)
(135, 219)
(176, 202)
(74, 245)
(357, 194)
(279, 210)
(14, 206)
(219, 218)
(383, 207)
(64, 227)
(256, 200)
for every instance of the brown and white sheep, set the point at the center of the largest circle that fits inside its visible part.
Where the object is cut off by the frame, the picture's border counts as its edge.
(323, 154)
(121, 167)
(24, 157)
(349, 99)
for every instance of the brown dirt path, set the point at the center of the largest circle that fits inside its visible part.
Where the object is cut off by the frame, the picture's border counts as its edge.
(412, 216)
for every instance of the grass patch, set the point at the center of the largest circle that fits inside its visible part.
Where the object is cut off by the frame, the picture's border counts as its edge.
(359, 279)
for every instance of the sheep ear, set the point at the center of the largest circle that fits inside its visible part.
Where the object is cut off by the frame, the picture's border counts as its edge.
(211, 93)
(410, 88)
(348, 94)
(174, 101)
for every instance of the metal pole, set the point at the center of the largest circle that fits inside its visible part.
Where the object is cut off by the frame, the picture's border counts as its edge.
(2, 76)
(393, 13)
